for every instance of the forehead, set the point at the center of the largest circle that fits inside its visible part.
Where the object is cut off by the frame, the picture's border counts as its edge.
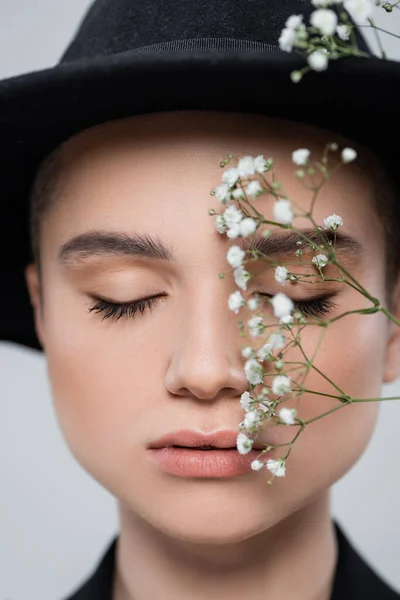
(154, 173)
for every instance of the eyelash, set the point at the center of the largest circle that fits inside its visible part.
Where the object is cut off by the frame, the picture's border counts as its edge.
(117, 310)
(314, 307)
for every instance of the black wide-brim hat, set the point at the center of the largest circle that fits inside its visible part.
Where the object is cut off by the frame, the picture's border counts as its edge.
(133, 57)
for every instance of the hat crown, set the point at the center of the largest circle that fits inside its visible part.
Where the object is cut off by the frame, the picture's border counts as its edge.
(113, 27)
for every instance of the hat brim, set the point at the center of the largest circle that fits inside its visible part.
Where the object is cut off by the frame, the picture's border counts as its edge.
(355, 97)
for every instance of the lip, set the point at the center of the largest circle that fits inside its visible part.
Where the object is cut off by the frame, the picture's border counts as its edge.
(225, 438)
(190, 461)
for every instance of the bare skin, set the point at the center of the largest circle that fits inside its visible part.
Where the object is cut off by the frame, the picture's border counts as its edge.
(118, 385)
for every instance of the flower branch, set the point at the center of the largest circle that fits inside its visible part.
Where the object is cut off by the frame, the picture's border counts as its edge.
(236, 222)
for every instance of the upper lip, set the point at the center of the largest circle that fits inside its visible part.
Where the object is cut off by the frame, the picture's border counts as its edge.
(219, 439)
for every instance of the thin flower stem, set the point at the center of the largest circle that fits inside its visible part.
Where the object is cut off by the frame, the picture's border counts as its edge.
(361, 311)
(343, 399)
(365, 292)
(383, 30)
(353, 50)
(378, 39)
(375, 399)
(350, 401)
(307, 365)
(328, 412)
(308, 362)
(389, 314)
(332, 410)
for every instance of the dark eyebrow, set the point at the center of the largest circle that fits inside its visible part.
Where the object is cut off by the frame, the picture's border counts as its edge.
(97, 243)
(285, 243)
(100, 243)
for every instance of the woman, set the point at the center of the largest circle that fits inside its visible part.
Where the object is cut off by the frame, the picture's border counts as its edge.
(119, 214)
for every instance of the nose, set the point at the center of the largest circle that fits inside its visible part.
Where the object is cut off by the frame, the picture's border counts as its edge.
(206, 354)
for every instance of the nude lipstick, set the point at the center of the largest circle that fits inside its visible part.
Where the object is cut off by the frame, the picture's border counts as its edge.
(197, 454)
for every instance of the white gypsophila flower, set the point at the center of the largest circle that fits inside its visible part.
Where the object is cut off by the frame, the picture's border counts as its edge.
(277, 340)
(254, 371)
(266, 408)
(283, 211)
(243, 443)
(286, 39)
(260, 164)
(247, 226)
(222, 193)
(232, 215)
(277, 467)
(251, 420)
(282, 305)
(348, 154)
(320, 260)
(246, 167)
(264, 392)
(325, 20)
(343, 32)
(300, 156)
(294, 21)
(253, 303)
(287, 415)
(286, 319)
(230, 176)
(359, 10)
(235, 256)
(254, 188)
(220, 224)
(233, 231)
(281, 274)
(247, 352)
(246, 401)
(238, 194)
(236, 301)
(318, 60)
(293, 36)
(281, 384)
(264, 352)
(256, 465)
(241, 277)
(263, 403)
(256, 326)
(333, 222)
(295, 76)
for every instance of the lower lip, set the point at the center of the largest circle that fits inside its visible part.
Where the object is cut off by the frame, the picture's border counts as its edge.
(186, 462)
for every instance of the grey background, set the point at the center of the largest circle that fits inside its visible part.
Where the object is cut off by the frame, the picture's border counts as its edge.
(55, 520)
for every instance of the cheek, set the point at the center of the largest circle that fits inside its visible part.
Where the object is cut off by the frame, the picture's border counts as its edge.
(351, 356)
(106, 381)
(101, 385)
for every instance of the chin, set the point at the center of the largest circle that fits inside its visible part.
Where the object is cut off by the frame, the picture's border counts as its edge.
(213, 531)
(214, 512)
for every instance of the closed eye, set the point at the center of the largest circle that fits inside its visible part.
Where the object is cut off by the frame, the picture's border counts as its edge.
(314, 307)
(116, 310)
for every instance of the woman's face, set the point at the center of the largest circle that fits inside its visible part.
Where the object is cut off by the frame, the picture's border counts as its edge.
(119, 385)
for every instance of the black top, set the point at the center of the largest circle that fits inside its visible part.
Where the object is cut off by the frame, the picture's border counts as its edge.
(354, 579)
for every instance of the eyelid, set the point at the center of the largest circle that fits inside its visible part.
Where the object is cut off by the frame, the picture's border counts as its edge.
(326, 296)
(97, 298)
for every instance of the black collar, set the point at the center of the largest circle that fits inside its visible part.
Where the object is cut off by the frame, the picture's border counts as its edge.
(354, 578)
